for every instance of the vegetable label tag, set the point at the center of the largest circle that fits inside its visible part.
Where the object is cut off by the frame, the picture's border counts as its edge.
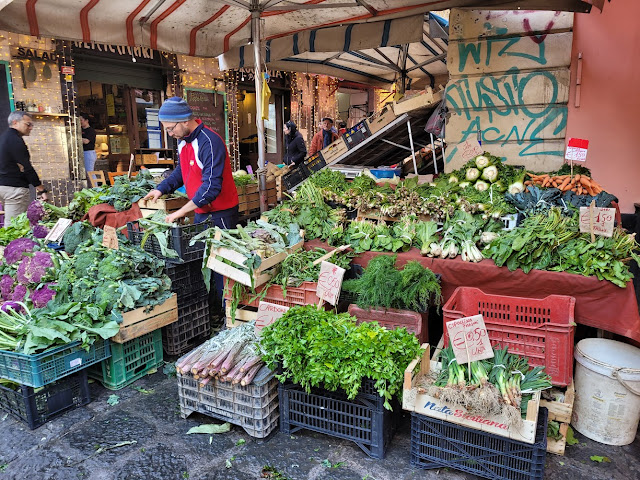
(577, 150)
(469, 339)
(602, 220)
(110, 238)
(470, 149)
(56, 233)
(267, 314)
(330, 282)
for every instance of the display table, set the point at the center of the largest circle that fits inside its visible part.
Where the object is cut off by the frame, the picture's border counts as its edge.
(599, 303)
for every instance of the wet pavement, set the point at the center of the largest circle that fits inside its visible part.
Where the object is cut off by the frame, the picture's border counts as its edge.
(143, 437)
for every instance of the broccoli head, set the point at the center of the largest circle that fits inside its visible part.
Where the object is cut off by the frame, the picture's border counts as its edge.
(87, 262)
(77, 234)
(42, 295)
(82, 290)
(35, 212)
(106, 294)
(34, 268)
(14, 250)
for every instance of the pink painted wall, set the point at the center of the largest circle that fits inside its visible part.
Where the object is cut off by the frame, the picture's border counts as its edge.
(609, 112)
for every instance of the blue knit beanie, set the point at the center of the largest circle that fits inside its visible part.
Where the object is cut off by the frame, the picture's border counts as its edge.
(175, 109)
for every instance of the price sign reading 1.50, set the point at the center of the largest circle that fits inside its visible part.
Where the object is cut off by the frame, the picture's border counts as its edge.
(469, 339)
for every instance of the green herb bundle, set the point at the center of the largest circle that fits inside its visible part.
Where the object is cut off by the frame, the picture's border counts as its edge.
(316, 348)
(382, 285)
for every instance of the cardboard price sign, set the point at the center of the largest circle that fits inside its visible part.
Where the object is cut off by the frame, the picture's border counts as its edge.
(469, 339)
(577, 150)
(601, 223)
(330, 282)
(56, 233)
(267, 314)
(470, 149)
(110, 237)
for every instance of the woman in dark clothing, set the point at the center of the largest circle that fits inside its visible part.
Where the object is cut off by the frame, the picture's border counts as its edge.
(294, 149)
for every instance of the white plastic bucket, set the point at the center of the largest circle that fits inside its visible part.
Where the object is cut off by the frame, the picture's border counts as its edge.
(607, 380)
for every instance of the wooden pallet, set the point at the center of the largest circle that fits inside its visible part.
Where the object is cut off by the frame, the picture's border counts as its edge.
(560, 412)
(138, 322)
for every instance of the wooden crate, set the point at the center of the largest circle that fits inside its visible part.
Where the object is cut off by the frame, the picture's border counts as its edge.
(334, 150)
(260, 275)
(249, 197)
(425, 99)
(242, 316)
(151, 159)
(560, 412)
(381, 119)
(138, 322)
(167, 204)
(429, 406)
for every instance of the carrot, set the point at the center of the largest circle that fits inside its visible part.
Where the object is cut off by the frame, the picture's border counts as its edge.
(546, 182)
(577, 177)
(585, 181)
(590, 191)
(597, 190)
(565, 183)
(579, 192)
(528, 182)
(554, 183)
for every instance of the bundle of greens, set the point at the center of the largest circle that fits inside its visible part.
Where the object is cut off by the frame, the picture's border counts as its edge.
(328, 179)
(155, 225)
(501, 385)
(126, 191)
(382, 285)
(84, 199)
(316, 348)
(18, 227)
(241, 179)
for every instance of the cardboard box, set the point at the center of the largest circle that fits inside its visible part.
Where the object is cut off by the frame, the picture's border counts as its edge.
(381, 119)
(332, 152)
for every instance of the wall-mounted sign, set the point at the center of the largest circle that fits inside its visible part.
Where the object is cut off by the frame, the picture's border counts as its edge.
(138, 52)
(66, 70)
(32, 53)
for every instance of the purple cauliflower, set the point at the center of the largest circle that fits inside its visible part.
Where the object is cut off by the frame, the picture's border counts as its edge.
(14, 250)
(6, 286)
(35, 212)
(42, 295)
(19, 293)
(32, 269)
(15, 306)
(40, 231)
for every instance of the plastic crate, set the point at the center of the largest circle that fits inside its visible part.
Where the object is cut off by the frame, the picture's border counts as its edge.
(179, 238)
(192, 328)
(363, 420)
(437, 443)
(305, 294)
(357, 134)
(254, 407)
(129, 361)
(294, 177)
(314, 163)
(391, 318)
(186, 278)
(541, 329)
(43, 368)
(35, 408)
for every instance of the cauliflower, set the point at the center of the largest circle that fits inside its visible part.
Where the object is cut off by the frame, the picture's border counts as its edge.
(15, 306)
(43, 295)
(35, 212)
(34, 268)
(40, 231)
(19, 293)
(6, 286)
(14, 250)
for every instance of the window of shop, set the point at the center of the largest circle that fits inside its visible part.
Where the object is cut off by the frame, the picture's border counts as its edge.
(6, 106)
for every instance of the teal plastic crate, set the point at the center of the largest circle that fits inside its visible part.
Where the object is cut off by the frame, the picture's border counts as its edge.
(129, 361)
(43, 368)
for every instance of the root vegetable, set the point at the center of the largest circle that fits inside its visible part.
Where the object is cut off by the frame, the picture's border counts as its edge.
(248, 378)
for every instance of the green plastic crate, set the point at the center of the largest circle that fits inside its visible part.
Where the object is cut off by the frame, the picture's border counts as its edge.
(129, 361)
(43, 368)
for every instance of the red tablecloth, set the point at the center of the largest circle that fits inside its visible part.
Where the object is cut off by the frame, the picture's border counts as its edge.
(599, 303)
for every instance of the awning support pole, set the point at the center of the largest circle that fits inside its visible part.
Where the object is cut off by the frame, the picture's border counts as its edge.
(433, 151)
(255, 34)
(413, 152)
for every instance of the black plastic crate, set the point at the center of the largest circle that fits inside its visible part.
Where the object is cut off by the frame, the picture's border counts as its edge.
(437, 443)
(191, 329)
(357, 134)
(363, 420)
(179, 238)
(294, 177)
(186, 278)
(314, 163)
(35, 407)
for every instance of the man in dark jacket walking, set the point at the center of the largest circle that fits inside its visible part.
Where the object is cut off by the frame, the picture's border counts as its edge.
(295, 149)
(16, 171)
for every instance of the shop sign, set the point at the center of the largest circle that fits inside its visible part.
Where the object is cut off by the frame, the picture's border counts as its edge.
(249, 74)
(32, 53)
(125, 51)
(66, 70)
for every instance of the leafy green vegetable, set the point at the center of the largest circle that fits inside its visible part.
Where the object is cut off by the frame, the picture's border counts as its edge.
(242, 180)
(126, 191)
(18, 227)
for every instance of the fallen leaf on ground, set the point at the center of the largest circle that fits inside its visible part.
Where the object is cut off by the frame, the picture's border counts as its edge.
(211, 428)
(113, 400)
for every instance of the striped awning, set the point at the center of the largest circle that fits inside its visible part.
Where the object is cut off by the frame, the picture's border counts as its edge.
(211, 27)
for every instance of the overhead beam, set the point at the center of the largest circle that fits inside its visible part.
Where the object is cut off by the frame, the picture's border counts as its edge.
(375, 60)
(427, 62)
(426, 34)
(369, 8)
(391, 62)
(308, 6)
(239, 3)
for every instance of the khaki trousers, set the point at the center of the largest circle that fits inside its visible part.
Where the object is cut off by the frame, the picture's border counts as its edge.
(14, 200)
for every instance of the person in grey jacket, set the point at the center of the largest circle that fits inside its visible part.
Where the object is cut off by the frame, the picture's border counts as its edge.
(295, 150)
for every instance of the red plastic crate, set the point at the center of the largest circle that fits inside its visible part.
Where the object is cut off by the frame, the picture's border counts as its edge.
(305, 294)
(414, 322)
(538, 328)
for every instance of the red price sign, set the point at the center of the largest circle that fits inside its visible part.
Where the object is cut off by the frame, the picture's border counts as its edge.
(267, 314)
(469, 339)
(470, 149)
(330, 282)
(577, 150)
(602, 220)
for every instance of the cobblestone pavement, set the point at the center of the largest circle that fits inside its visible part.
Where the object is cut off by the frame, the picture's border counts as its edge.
(143, 437)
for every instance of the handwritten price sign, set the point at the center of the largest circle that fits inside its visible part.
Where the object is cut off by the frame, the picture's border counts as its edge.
(469, 339)
(470, 149)
(330, 282)
(602, 220)
(577, 150)
(110, 237)
(267, 314)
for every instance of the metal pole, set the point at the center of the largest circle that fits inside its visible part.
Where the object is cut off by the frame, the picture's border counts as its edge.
(433, 151)
(255, 34)
(413, 153)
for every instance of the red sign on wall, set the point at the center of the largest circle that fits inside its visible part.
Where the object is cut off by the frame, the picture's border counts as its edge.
(67, 70)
